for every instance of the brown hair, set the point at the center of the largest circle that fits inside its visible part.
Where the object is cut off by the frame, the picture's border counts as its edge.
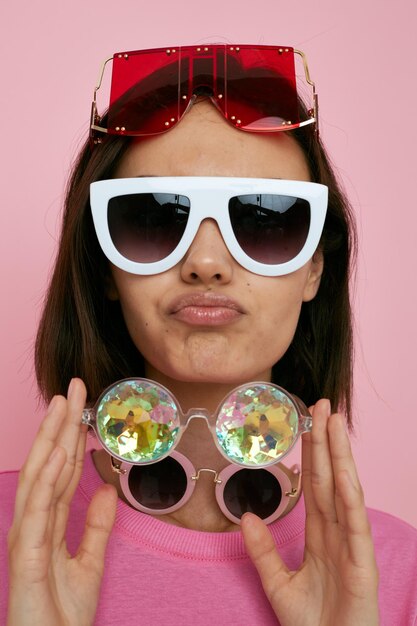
(82, 333)
(319, 361)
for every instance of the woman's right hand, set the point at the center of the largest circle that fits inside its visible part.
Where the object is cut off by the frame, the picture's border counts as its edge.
(48, 586)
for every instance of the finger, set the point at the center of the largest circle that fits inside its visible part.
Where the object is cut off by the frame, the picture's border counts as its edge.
(59, 427)
(322, 480)
(357, 527)
(352, 504)
(340, 507)
(63, 504)
(311, 507)
(340, 448)
(260, 547)
(32, 535)
(45, 442)
(78, 465)
(71, 433)
(314, 518)
(100, 519)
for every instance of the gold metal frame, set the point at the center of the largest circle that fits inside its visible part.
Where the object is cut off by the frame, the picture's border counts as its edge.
(95, 117)
(314, 112)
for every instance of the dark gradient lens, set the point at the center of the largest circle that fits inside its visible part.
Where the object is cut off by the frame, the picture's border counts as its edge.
(158, 486)
(255, 491)
(147, 227)
(270, 228)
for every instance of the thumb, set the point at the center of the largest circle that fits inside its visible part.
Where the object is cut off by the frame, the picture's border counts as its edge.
(260, 547)
(100, 519)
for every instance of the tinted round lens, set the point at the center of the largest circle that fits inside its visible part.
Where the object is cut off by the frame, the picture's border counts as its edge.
(270, 228)
(254, 491)
(137, 421)
(257, 425)
(147, 227)
(158, 486)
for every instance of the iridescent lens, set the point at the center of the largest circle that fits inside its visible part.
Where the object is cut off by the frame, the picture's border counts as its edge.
(257, 425)
(137, 421)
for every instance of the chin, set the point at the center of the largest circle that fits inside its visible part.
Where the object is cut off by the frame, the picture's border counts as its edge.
(220, 376)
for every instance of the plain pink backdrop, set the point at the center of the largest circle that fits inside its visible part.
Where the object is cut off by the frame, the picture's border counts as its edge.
(362, 57)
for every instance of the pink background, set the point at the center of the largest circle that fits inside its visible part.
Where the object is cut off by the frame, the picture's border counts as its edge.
(362, 57)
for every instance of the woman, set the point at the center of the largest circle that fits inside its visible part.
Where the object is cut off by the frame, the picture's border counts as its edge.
(201, 325)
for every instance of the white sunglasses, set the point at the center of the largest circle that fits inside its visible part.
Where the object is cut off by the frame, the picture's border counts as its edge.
(271, 227)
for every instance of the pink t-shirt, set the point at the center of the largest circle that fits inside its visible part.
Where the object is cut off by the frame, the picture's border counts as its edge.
(157, 573)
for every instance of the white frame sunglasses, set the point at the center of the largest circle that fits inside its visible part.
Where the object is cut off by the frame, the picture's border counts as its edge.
(209, 198)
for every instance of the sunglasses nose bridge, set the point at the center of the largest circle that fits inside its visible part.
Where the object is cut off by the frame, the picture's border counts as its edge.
(209, 205)
(197, 414)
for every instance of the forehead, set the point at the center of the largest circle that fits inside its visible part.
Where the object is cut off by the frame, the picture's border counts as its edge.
(204, 144)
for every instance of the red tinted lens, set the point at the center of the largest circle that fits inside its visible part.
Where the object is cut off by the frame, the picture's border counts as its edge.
(270, 228)
(147, 227)
(255, 88)
(253, 490)
(146, 91)
(158, 486)
(261, 88)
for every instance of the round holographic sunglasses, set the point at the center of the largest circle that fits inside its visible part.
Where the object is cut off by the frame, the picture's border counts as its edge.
(140, 422)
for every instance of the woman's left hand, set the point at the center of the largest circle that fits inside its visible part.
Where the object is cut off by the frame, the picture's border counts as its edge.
(337, 583)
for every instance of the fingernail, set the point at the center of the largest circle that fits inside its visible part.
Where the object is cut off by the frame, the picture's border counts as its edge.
(51, 405)
(250, 524)
(70, 386)
(247, 520)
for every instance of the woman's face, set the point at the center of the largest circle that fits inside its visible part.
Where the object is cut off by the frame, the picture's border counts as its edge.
(208, 319)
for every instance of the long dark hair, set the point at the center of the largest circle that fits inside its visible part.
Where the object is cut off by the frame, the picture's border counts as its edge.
(82, 333)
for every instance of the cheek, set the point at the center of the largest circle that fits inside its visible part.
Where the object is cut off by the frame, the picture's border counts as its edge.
(279, 309)
(280, 319)
(145, 329)
(135, 295)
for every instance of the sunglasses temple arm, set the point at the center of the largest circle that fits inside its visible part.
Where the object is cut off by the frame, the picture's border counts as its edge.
(295, 469)
(313, 86)
(95, 118)
(88, 418)
(306, 420)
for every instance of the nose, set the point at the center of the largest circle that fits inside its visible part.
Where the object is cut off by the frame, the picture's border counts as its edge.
(207, 260)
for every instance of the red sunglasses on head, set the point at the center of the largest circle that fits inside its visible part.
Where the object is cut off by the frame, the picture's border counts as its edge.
(254, 87)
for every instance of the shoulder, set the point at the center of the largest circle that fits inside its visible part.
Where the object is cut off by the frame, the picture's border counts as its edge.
(395, 541)
(395, 544)
(388, 529)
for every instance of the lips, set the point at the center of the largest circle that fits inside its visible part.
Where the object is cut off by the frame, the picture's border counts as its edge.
(205, 309)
